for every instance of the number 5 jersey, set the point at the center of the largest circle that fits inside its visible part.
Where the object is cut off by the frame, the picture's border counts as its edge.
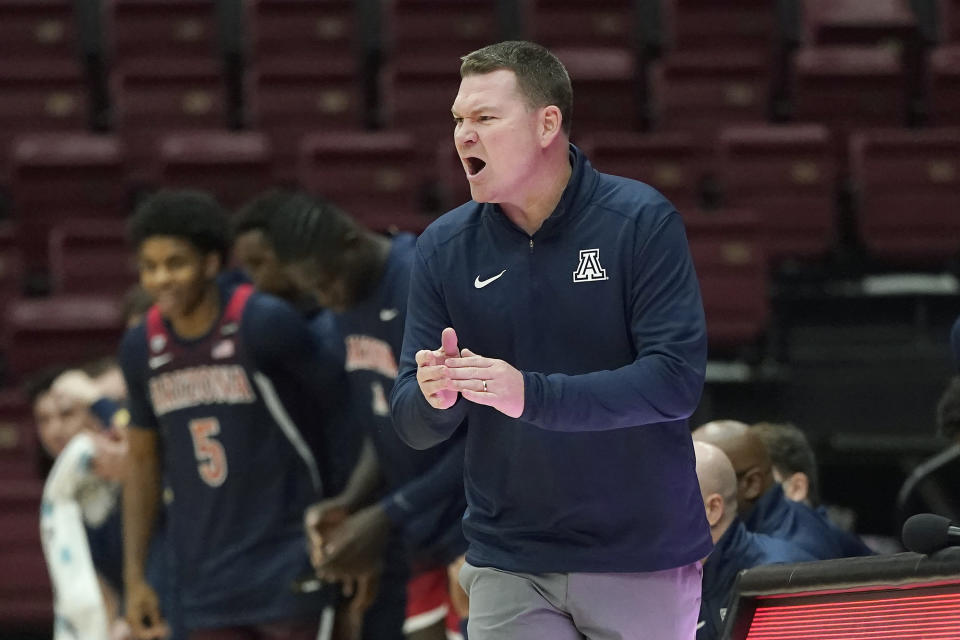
(234, 410)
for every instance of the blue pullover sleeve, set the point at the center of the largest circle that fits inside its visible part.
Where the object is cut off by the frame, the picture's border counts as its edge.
(665, 380)
(442, 480)
(418, 424)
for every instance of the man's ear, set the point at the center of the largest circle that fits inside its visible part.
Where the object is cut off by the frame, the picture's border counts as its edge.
(797, 487)
(714, 506)
(551, 125)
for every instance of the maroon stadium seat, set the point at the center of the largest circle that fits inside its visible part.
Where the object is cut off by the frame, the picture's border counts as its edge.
(151, 33)
(91, 256)
(11, 263)
(673, 163)
(573, 23)
(876, 22)
(288, 103)
(18, 440)
(909, 193)
(787, 176)
(42, 332)
(418, 100)
(34, 33)
(323, 33)
(54, 99)
(419, 28)
(606, 88)
(702, 91)
(20, 522)
(25, 597)
(422, 74)
(944, 70)
(56, 176)
(304, 73)
(732, 25)
(370, 175)
(849, 87)
(233, 166)
(731, 268)
(175, 99)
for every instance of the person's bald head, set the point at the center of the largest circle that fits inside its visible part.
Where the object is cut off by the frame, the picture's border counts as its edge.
(718, 487)
(747, 454)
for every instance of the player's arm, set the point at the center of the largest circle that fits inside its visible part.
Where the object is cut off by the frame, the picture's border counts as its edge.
(364, 481)
(320, 519)
(417, 422)
(665, 380)
(141, 491)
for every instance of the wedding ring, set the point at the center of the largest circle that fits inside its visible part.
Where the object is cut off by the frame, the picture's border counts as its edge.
(484, 385)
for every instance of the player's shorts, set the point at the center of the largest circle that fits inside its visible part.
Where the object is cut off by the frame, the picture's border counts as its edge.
(428, 602)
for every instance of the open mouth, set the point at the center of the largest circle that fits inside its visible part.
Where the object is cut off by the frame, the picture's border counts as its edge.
(474, 165)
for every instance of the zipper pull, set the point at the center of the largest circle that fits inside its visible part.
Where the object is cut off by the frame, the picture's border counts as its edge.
(531, 245)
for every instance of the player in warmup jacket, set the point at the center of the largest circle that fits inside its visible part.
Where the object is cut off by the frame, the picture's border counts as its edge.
(364, 277)
(216, 378)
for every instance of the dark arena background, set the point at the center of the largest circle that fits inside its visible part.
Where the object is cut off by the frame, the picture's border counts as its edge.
(811, 146)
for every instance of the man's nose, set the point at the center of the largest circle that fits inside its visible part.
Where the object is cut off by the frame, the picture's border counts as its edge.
(465, 134)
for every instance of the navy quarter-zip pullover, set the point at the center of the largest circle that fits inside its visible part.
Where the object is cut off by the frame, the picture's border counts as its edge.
(601, 311)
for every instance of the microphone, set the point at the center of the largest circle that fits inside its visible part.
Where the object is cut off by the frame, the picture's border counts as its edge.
(927, 532)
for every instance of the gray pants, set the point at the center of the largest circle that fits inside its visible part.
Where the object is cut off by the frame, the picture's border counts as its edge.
(660, 605)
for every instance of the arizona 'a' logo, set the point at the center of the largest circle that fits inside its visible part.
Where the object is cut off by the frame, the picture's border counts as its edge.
(589, 268)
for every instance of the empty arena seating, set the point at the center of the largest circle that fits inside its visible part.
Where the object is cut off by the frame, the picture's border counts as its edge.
(17, 438)
(944, 86)
(55, 176)
(732, 271)
(704, 91)
(370, 175)
(304, 73)
(234, 166)
(147, 34)
(11, 262)
(572, 23)
(422, 68)
(908, 186)
(91, 256)
(42, 84)
(25, 597)
(735, 25)
(174, 99)
(786, 175)
(849, 87)
(672, 163)
(324, 33)
(42, 332)
(607, 81)
(878, 22)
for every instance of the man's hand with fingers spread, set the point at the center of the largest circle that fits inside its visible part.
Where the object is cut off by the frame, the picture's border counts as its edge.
(432, 375)
(487, 381)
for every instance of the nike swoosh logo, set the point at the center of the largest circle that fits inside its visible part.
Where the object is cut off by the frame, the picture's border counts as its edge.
(386, 315)
(701, 624)
(158, 361)
(480, 284)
